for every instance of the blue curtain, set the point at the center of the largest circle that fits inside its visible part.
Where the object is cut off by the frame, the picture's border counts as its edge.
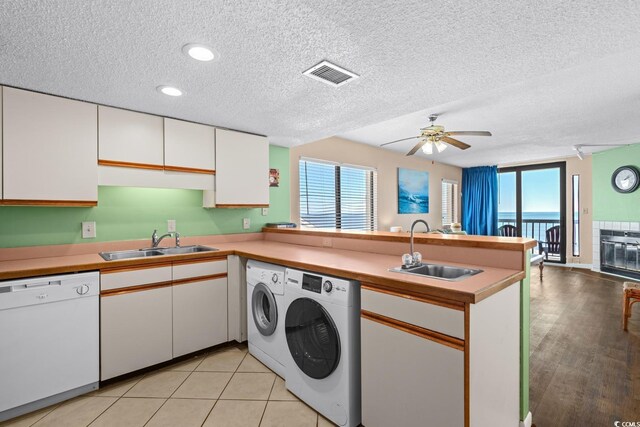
(480, 200)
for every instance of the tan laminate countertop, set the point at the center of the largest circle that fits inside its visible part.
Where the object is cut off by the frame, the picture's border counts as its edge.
(519, 244)
(369, 268)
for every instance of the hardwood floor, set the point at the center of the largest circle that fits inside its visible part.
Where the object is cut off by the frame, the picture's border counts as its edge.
(584, 370)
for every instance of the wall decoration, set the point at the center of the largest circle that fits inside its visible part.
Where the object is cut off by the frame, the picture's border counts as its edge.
(413, 191)
(274, 177)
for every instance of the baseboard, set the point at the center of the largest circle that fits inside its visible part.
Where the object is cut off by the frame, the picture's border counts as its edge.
(527, 421)
(582, 266)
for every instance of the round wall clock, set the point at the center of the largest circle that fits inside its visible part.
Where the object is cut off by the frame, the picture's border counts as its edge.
(625, 179)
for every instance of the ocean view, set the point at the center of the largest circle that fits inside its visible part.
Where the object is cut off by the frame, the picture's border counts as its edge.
(530, 215)
(535, 224)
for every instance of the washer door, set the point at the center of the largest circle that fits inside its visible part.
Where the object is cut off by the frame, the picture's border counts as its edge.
(312, 338)
(264, 309)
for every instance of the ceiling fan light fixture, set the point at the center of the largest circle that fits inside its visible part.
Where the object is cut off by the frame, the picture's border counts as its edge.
(440, 146)
(427, 148)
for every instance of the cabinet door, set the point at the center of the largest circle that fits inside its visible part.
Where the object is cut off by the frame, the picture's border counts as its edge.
(199, 315)
(49, 148)
(409, 380)
(135, 330)
(127, 138)
(242, 170)
(189, 147)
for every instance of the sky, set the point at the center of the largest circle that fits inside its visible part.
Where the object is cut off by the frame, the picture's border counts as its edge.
(540, 191)
(413, 181)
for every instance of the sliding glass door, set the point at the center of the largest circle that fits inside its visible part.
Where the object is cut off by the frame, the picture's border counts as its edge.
(533, 200)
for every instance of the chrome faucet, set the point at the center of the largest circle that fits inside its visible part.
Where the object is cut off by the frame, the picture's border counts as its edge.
(155, 240)
(415, 260)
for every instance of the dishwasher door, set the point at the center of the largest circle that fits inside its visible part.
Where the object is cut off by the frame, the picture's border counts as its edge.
(49, 342)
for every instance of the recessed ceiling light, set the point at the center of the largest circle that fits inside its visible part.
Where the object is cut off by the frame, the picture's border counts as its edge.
(199, 52)
(169, 90)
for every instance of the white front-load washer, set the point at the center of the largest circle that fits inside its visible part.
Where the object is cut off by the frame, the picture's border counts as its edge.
(322, 330)
(265, 311)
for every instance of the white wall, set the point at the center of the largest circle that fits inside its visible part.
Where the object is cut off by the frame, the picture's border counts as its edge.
(386, 163)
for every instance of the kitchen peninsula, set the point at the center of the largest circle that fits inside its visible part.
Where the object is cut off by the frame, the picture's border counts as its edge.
(457, 351)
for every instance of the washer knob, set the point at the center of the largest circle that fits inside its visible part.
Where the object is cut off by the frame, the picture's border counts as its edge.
(328, 286)
(274, 278)
(82, 289)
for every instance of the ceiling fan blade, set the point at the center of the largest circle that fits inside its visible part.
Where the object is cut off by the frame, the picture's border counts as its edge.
(454, 142)
(470, 132)
(398, 140)
(417, 147)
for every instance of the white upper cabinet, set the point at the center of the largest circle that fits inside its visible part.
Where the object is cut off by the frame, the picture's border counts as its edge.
(49, 149)
(189, 147)
(242, 170)
(127, 138)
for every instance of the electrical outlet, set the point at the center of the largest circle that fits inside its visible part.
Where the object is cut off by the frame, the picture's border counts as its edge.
(265, 211)
(327, 242)
(171, 225)
(246, 223)
(89, 230)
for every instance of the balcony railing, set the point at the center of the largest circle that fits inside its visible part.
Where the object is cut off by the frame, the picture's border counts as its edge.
(533, 228)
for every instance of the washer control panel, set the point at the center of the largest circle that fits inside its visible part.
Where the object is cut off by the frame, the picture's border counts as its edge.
(328, 286)
(321, 287)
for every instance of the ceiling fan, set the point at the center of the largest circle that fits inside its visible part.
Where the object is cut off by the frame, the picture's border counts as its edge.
(435, 136)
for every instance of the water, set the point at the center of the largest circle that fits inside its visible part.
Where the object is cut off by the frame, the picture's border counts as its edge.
(415, 205)
(531, 227)
(530, 215)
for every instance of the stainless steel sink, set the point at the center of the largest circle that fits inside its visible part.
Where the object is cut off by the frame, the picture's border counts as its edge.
(142, 253)
(186, 250)
(116, 255)
(438, 271)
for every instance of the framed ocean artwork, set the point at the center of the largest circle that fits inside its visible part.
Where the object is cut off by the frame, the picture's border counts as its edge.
(413, 191)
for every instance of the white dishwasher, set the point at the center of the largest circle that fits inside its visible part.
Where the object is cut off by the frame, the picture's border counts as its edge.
(49, 340)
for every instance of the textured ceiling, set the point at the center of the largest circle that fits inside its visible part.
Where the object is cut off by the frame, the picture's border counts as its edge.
(411, 55)
(540, 119)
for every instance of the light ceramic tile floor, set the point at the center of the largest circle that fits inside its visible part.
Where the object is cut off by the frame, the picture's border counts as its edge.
(224, 388)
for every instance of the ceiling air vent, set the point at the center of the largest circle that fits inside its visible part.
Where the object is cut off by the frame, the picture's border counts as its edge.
(330, 74)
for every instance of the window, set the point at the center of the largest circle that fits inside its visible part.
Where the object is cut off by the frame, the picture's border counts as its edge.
(575, 189)
(337, 196)
(449, 202)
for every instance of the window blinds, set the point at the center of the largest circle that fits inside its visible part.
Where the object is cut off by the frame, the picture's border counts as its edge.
(449, 202)
(337, 196)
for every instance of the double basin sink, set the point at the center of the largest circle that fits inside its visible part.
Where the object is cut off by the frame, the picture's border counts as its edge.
(150, 252)
(438, 271)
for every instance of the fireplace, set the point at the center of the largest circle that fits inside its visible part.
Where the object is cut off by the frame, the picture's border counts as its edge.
(620, 252)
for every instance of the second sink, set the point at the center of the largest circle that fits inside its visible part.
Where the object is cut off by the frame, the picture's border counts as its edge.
(439, 271)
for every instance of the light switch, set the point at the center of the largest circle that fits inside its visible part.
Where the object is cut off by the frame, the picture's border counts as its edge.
(171, 225)
(246, 223)
(265, 211)
(89, 230)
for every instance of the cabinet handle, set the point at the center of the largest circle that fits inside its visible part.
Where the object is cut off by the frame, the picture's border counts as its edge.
(449, 341)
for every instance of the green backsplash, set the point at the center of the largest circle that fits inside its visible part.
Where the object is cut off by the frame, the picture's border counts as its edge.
(125, 213)
(608, 204)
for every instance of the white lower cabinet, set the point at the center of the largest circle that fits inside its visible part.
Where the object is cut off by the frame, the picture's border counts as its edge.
(408, 380)
(412, 360)
(199, 315)
(135, 330)
(152, 314)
